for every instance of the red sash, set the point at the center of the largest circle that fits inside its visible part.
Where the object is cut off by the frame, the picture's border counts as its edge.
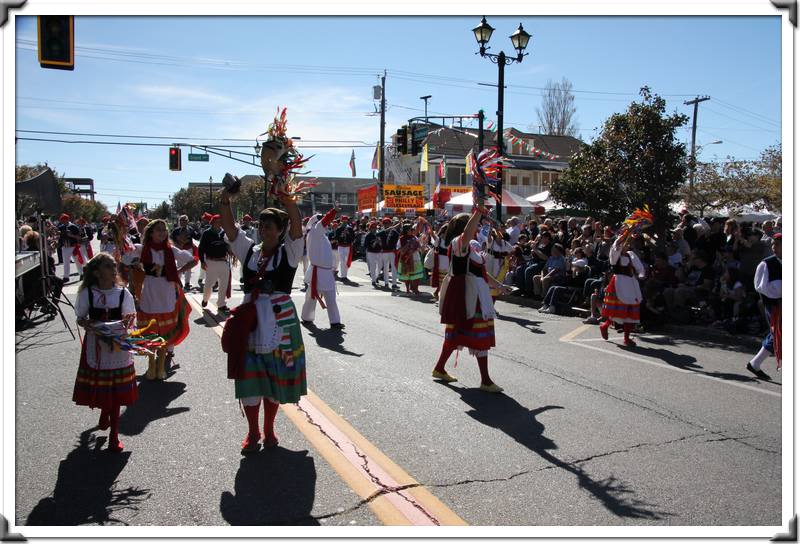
(349, 256)
(76, 252)
(314, 292)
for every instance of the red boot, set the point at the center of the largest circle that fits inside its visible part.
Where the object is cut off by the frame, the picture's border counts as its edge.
(250, 443)
(627, 328)
(270, 411)
(114, 444)
(604, 328)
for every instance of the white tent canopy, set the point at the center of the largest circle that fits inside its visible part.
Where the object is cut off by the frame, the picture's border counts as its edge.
(513, 204)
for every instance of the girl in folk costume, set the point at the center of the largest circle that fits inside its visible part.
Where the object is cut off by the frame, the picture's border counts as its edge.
(622, 294)
(106, 376)
(498, 250)
(465, 303)
(409, 260)
(441, 262)
(273, 369)
(162, 297)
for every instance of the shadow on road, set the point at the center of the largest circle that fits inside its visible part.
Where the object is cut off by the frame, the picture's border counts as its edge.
(531, 325)
(332, 339)
(505, 414)
(687, 362)
(272, 487)
(153, 404)
(85, 490)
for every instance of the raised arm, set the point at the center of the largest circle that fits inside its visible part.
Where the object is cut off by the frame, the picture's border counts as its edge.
(295, 222)
(472, 225)
(228, 224)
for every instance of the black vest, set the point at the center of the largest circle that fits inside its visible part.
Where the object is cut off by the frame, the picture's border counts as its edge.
(105, 314)
(280, 278)
(773, 273)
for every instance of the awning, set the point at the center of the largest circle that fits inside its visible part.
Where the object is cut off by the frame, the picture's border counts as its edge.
(513, 204)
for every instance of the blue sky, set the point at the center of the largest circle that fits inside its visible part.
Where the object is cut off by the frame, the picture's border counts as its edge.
(201, 78)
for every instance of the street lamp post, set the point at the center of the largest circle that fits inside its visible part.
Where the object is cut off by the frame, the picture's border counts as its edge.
(519, 39)
(426, 98)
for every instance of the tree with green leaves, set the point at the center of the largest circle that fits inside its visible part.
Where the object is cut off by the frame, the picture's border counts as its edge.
(194, 202)
(91, 210)
(162, 211)
(636, 160)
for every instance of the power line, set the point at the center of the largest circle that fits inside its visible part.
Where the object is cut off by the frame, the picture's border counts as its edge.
(182, 144)
(733, 118)
(172, 138)
(746, 111)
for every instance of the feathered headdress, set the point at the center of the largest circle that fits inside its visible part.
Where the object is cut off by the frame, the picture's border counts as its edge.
(486, 169)
(637, 221)
(279, 158)
(125, 222)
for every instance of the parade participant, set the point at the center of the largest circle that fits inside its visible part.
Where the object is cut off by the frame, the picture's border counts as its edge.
(497, 253)
(465, 304)
(87, 233)
(205, 224)
(768, 285)
(213, 253)
(181, 237)
(622, 294)
(162, 297)
(372, 243)
(108, 237)
(331, 234)
(70, 240)
(441, 262)
(274, 366)
(305, 249)
(389, 236)
(106, 377)
(345, 236)
(133, 274)
(247, 229)
(410, 262)
(319, 276)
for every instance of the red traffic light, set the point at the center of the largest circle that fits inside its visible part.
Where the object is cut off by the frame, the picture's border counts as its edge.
(175, 158)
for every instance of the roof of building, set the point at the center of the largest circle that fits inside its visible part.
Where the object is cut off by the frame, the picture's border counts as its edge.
(562, 146)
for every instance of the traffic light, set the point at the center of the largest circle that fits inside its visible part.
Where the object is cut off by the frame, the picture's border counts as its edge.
(175, 158)
(416, 145)
(56, 41)
(402, 140)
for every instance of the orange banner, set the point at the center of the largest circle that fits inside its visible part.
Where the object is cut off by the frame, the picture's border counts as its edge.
(404, 196)
(446, 192)
(367, 198)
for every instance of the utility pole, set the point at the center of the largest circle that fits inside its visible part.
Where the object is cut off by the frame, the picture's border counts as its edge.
(693, 162)
(480, 130)
(381, 168)
(210, 195)
(425, 98)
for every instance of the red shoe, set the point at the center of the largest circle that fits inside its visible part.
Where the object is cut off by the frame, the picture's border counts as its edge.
(250, 444)
(115, 446)
(269, 441)
(604, 332)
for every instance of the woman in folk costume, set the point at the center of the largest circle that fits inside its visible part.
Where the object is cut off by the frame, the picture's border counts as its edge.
(465, 303)
(498, 250)
(162, 297)
(441, 262)
(769, 285)
(268, 360)
(106, 376)
(622, 294)
(274, 367)
(409, 260)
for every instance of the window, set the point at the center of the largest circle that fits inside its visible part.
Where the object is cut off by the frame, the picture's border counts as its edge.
(454, 175)
(526, 180)
(513, 180)
(324, 198)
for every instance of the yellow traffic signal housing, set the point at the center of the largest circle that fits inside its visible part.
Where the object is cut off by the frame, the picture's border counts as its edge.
(56, 41)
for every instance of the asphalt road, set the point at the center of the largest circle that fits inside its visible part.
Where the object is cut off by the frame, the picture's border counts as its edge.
(674, 432)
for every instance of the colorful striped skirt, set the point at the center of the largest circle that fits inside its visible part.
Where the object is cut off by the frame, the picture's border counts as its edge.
(281, 374)
(477, 334)
(172, 326)
(104, 388)
(409, 271)
(616, 310)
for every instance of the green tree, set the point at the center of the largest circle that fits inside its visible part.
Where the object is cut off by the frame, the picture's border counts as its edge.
(194, 202)
(76, 207)
(636, 160)
(162, 211)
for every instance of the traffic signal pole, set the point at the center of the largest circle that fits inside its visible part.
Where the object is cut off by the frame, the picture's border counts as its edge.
(381, 168)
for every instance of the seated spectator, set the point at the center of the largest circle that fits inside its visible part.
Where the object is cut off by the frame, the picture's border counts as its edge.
(728, 295)
(674, 257)
(578, 267)
(653, 310)
(695, 284)
(554, 271)
(662, 275)
(541, 249)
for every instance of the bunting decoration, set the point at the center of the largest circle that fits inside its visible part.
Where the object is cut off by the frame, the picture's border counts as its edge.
(532, 149)
(376, 158)
(279, 158)
(353, 163)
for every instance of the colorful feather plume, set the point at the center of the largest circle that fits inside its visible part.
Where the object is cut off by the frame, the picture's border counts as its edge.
(115, 334)
(637, 221)
(279, 158)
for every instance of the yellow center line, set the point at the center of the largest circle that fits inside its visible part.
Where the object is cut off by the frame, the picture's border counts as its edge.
(570, 335)
(400, 500)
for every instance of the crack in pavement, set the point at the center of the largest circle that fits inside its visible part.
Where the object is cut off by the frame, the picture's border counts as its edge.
(513, 358)
(384, 489)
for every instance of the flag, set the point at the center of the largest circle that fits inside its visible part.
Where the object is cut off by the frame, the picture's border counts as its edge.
(443, 169)
(423, 162)
(353, 163)
(468, 163)
(118, 207)
(437, 192)
(376, 158)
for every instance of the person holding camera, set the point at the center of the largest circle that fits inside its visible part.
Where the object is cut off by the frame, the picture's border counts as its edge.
(273, 366)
